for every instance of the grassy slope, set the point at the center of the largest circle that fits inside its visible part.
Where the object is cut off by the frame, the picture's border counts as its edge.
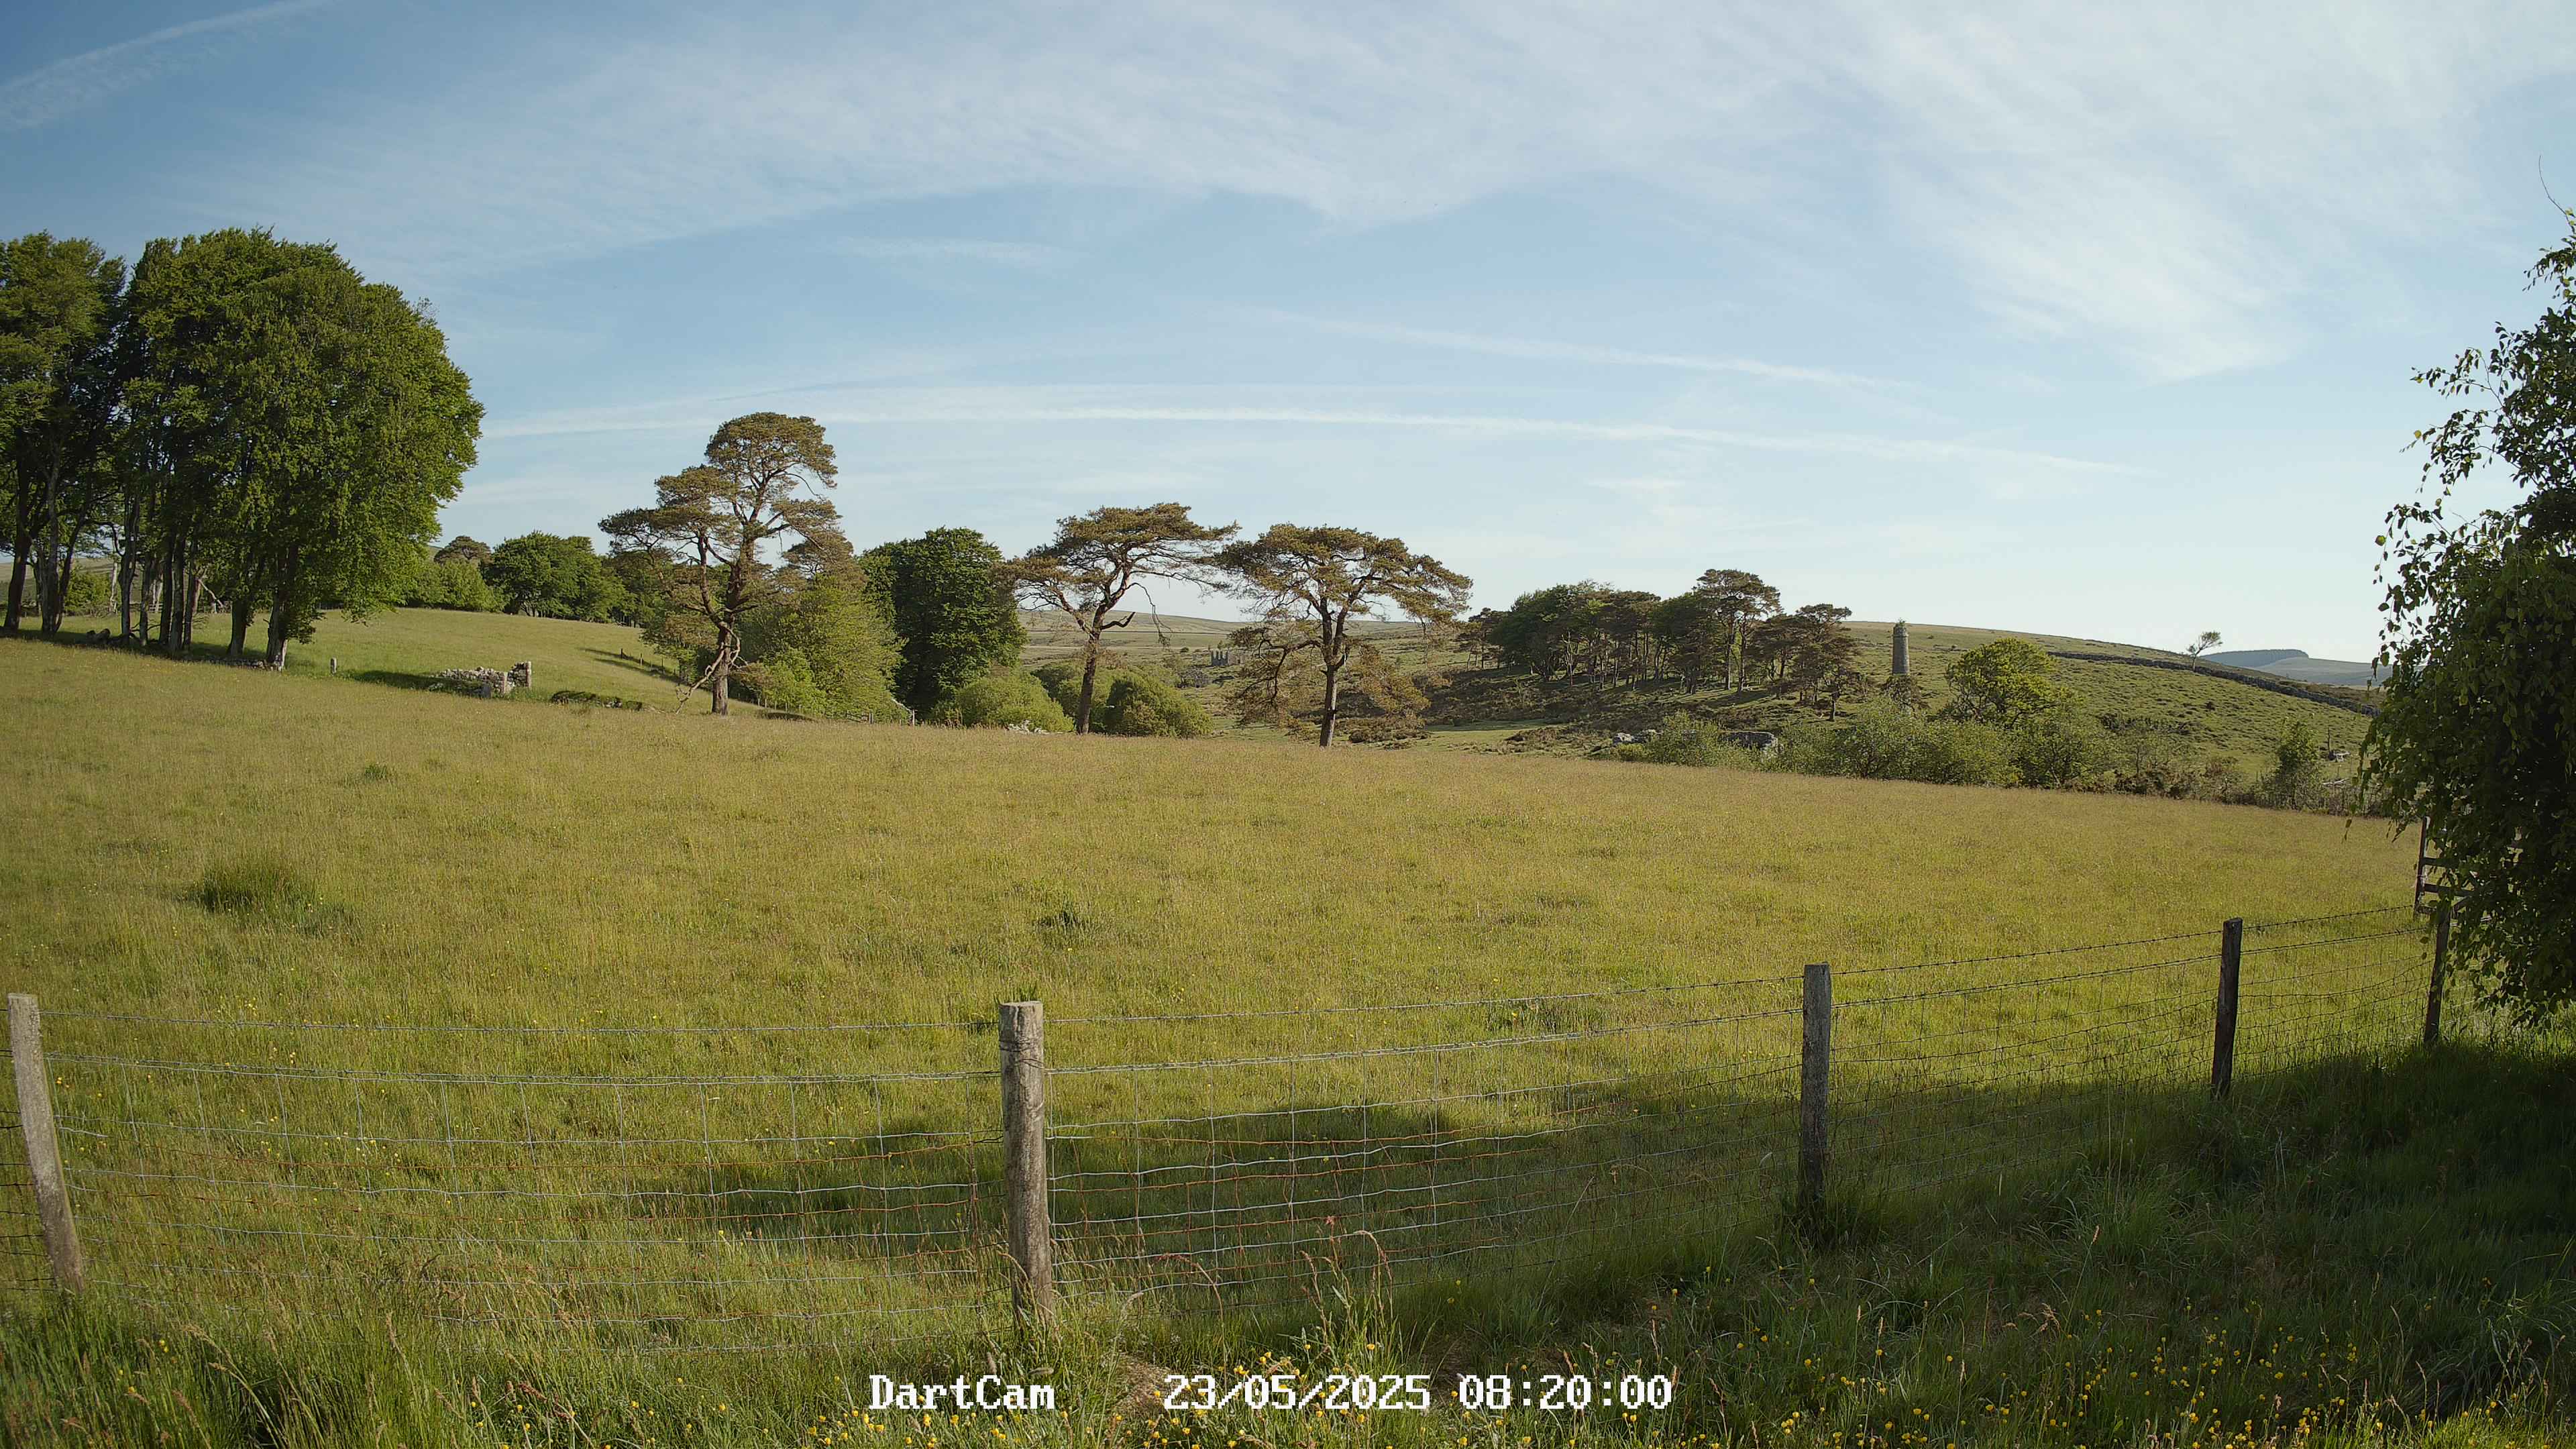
(2215, 716)
(480, 862)
(410, 647)
(928, 865)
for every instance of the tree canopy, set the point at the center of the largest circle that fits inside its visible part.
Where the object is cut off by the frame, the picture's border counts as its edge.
(2477, 738)
(1311, 585)
(2003, 682)
(1096, 559)
(948, 594)
(762, 481)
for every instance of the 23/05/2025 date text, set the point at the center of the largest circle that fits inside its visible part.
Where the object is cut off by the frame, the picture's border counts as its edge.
(1574, 1393)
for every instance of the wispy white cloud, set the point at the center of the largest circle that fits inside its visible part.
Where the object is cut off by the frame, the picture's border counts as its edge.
(1185, 404)
(79, 82)
(1541, 350)
(1025, 255)
(2182, 186)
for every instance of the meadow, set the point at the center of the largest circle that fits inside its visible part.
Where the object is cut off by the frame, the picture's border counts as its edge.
(589, 1051)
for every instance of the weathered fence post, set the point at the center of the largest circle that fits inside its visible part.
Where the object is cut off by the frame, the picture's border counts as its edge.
(1815, 1060)
(2441, 955)
(44, 1155)
(2222, 1051)
(1024, 1158)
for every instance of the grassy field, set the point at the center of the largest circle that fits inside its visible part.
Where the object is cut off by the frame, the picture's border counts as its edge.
(611, 1170)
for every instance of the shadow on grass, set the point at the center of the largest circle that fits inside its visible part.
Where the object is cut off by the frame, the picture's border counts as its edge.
(650, 668)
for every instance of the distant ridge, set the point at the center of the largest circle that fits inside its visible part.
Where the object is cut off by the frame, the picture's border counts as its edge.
(2254, 658)
(2295, 664)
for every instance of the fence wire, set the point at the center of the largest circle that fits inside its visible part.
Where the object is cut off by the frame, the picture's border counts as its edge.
(752, 1189)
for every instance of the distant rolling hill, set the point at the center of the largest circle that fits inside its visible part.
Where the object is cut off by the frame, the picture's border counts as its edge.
(2295, 664)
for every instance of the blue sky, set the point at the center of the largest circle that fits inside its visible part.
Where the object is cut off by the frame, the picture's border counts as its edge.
(2093, 320)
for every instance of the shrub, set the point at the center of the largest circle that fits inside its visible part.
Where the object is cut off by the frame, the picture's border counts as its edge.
(1957, 753)
(996, 700)
(2060, 750)
(1686, 741)
(86, 592)
(785, 681)
(1140, 704)
(1881, 742)
(2294, 781)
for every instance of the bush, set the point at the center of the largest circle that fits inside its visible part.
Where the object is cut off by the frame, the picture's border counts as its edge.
(785, 681)
(87, 592)
(1956, 753)
(2060, 751)
(2294, 783)
(1140, 704)
(1687, 741)
(1882, 742)
(998, 700)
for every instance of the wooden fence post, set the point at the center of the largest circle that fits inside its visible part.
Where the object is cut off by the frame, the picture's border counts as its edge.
(2222, 1052)
(44, 1155)
(1815, 1061)
(1031, 1228)
(2441, 955)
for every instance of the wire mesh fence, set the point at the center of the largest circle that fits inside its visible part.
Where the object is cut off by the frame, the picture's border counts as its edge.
(740, 1189)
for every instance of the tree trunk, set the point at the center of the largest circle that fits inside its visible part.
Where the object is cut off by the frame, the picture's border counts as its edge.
(241, 625)
(21, 541)
(720, 679)
(1333, 661)
(1082, 701)
(279, 611)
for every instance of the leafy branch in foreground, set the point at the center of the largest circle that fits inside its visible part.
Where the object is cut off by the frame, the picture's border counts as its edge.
(2479, 624)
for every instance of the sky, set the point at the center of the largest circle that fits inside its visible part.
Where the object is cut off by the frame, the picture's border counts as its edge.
(2094, 320)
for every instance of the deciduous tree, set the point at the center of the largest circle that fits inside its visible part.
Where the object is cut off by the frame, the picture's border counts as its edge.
(2479, 624)
(949, 596)
(2002, 683)
(59, 301)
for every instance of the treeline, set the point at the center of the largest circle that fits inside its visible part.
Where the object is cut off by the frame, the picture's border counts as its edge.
(1729, 627)
(739, 569)
(235, 423)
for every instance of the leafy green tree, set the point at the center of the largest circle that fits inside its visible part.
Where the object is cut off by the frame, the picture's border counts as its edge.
(291, 431)
(762, 481)
(1097, 559)
(1002, 699)
(2003, 682)
(450, 583)
(2478, 626)
(60, 300)
(833, 623)
(1311, 585)
(2207, 641)
(554, 575)
(471, 550)
(948, 594)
